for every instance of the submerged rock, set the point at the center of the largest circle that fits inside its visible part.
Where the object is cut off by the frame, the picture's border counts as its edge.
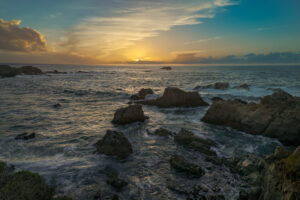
(105, 195)
(182, 165)
(189, 139)
(55, 72)
(218, 86)
(114, 144)
(114, 180)
(58, 105)
(142, 94)
(166, 68)
(25, 136)
(162, 132)
(277, 116)
(130, 114)
(243, 86)
(174, 97)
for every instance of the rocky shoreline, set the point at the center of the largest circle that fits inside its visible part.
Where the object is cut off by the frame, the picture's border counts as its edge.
(273, 177)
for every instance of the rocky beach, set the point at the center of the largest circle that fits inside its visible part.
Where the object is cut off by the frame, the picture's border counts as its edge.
(144, 133)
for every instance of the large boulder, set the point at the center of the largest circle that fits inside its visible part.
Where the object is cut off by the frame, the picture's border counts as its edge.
(29, 70)
(174, 97)
(162, 132)
(276, 116)
(180, 164)
(130, 114)
(189, 139)
(114, 144)
(142, 94)
(217, 85)
(166, 68)
(8, 71)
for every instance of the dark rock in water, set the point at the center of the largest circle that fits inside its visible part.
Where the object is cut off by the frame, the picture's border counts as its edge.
(166, 68)
(189, 139)
(217, 99)
(253, 193)
(105, 195)
(29, 70)
(25, 136)
(182, 165)
(82, 72)
(58, 105)
(162, 132)
(174, 97)
(130, 114)
(62, 198)
(114, 144)
(8, 71)
(115, 181)
(218, 86)
(142, 94)
(243, 86)
(55, 72)
(277, 116)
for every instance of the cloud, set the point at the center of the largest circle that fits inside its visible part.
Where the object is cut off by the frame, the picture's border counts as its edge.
(269, 58)
(204, 40)
(14, 38)
(101, 36)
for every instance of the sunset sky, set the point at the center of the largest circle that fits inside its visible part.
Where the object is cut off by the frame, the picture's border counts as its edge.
(149, 31)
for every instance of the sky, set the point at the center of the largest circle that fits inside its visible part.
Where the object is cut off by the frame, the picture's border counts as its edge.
(149, 31)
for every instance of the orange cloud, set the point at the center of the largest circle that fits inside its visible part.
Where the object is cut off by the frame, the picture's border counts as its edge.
(14, 38)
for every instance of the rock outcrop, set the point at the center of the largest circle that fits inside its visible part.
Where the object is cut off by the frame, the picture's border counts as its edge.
(166, 68)
(130, 114)
(142, 94)
(8, 71)
(218, 86)
(114, 144)
(190, 140)
(276, 116)
(25, 136)
(180, 164)
(162, 132)
(243, 87)
(174, 97)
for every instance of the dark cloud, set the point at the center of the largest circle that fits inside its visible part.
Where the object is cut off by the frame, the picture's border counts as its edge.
(15, 38)
(281, 57)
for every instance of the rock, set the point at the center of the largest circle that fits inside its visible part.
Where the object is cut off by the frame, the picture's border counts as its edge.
(174, 97)
(58, 105)
(29, 70)
(142, 94)
(276, 116)
(188, 138)
(281, 181)
(62, 198)
(217, 99)
(130, 114)
(105, 195)
(182, 165)
(162, 132)
(253, 193)
(243, 86)
(114, 144)
(25, 136)
(166, 68)
(8, 71)
(55, 72)
(115, 181)
(218, 86)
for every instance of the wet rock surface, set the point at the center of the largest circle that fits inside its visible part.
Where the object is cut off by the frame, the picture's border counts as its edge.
(25, 136)
(243, 87)
(174, 97)
(276, 116)
(161, 132)
(218, 86)
(190, 140)
(130, 114)
(8, 71)
(142, 94)
(180, 164)
(114, 144)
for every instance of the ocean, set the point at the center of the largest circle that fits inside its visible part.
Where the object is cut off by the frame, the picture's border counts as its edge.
(63, 151)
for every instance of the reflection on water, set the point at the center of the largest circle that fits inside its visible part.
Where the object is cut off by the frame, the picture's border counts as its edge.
(63, 150)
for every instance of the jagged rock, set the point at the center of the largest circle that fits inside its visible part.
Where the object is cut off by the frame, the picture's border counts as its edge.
(142, 94)
(25, 136)
(182, 165)
(218, 86)
(114, 144)
(114, 180)
(189, 139)
(277, 116)
(130, 114)
(243, 86)
(162, 132)
(174, 97)
(166, 68)
(217, 99)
